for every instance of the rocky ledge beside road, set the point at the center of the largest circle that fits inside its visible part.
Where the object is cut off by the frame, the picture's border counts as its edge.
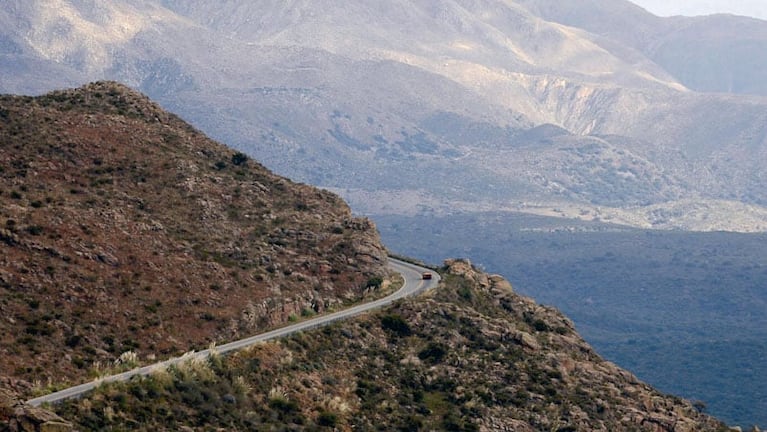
(15, 416)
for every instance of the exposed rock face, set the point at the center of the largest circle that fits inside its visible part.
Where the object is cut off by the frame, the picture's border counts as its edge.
(17, 417)
(124, 229)
(471, 355)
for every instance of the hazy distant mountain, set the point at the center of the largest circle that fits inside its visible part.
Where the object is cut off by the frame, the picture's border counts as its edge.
(441, 104)
(719, 53)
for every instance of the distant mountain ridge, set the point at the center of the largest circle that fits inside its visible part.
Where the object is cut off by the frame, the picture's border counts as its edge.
(718, 53)
(323, 92)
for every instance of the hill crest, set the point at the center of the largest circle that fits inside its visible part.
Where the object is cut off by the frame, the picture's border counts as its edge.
(125, 229)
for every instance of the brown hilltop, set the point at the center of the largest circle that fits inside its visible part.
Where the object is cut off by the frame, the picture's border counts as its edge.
(122, 228)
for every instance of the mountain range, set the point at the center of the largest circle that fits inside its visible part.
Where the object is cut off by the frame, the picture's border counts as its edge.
(590, 109)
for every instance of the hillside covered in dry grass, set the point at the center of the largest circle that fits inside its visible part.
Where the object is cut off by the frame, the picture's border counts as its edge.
(123, 229)
(470, 356)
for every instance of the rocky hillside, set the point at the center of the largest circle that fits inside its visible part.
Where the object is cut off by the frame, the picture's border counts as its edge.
(470, 356)
(124, 229)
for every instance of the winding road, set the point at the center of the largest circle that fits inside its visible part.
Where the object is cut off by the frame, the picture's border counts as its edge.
(413, 284)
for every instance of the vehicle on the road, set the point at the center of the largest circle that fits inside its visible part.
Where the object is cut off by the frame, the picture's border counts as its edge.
(426, 276)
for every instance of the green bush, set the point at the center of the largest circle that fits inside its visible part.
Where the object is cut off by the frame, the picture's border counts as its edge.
(327, 419)
(465, 293)
(283, 405)
(374, 282)
(73, 340)
(239, 158)
(541, 326)
(433, 353)
(396, 324)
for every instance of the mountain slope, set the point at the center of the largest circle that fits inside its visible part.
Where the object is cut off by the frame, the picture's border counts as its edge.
(128, 234)
(472, 355)
(125, 229)
(509, 38)
(718, 53)
(323, 92)
(674, 132)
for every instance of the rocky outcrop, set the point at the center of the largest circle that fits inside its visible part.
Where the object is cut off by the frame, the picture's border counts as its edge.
(17, 417)
(614, 398)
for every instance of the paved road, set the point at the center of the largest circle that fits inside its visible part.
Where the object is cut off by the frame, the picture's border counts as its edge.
(413, 285)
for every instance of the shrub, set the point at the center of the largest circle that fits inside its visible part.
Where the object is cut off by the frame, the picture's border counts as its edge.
(374, 282)
(327, 419)
(39, 328)
(434, 352)
(79, 362)
(239, 158)
(540, 325)
(283, 405)
(396, 324)
(465, 293)
(73, 340)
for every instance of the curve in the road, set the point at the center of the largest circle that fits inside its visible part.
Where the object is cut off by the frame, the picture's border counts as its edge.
(413, 284)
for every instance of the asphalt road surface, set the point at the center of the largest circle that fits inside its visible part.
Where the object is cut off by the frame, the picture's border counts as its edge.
(413, 284)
